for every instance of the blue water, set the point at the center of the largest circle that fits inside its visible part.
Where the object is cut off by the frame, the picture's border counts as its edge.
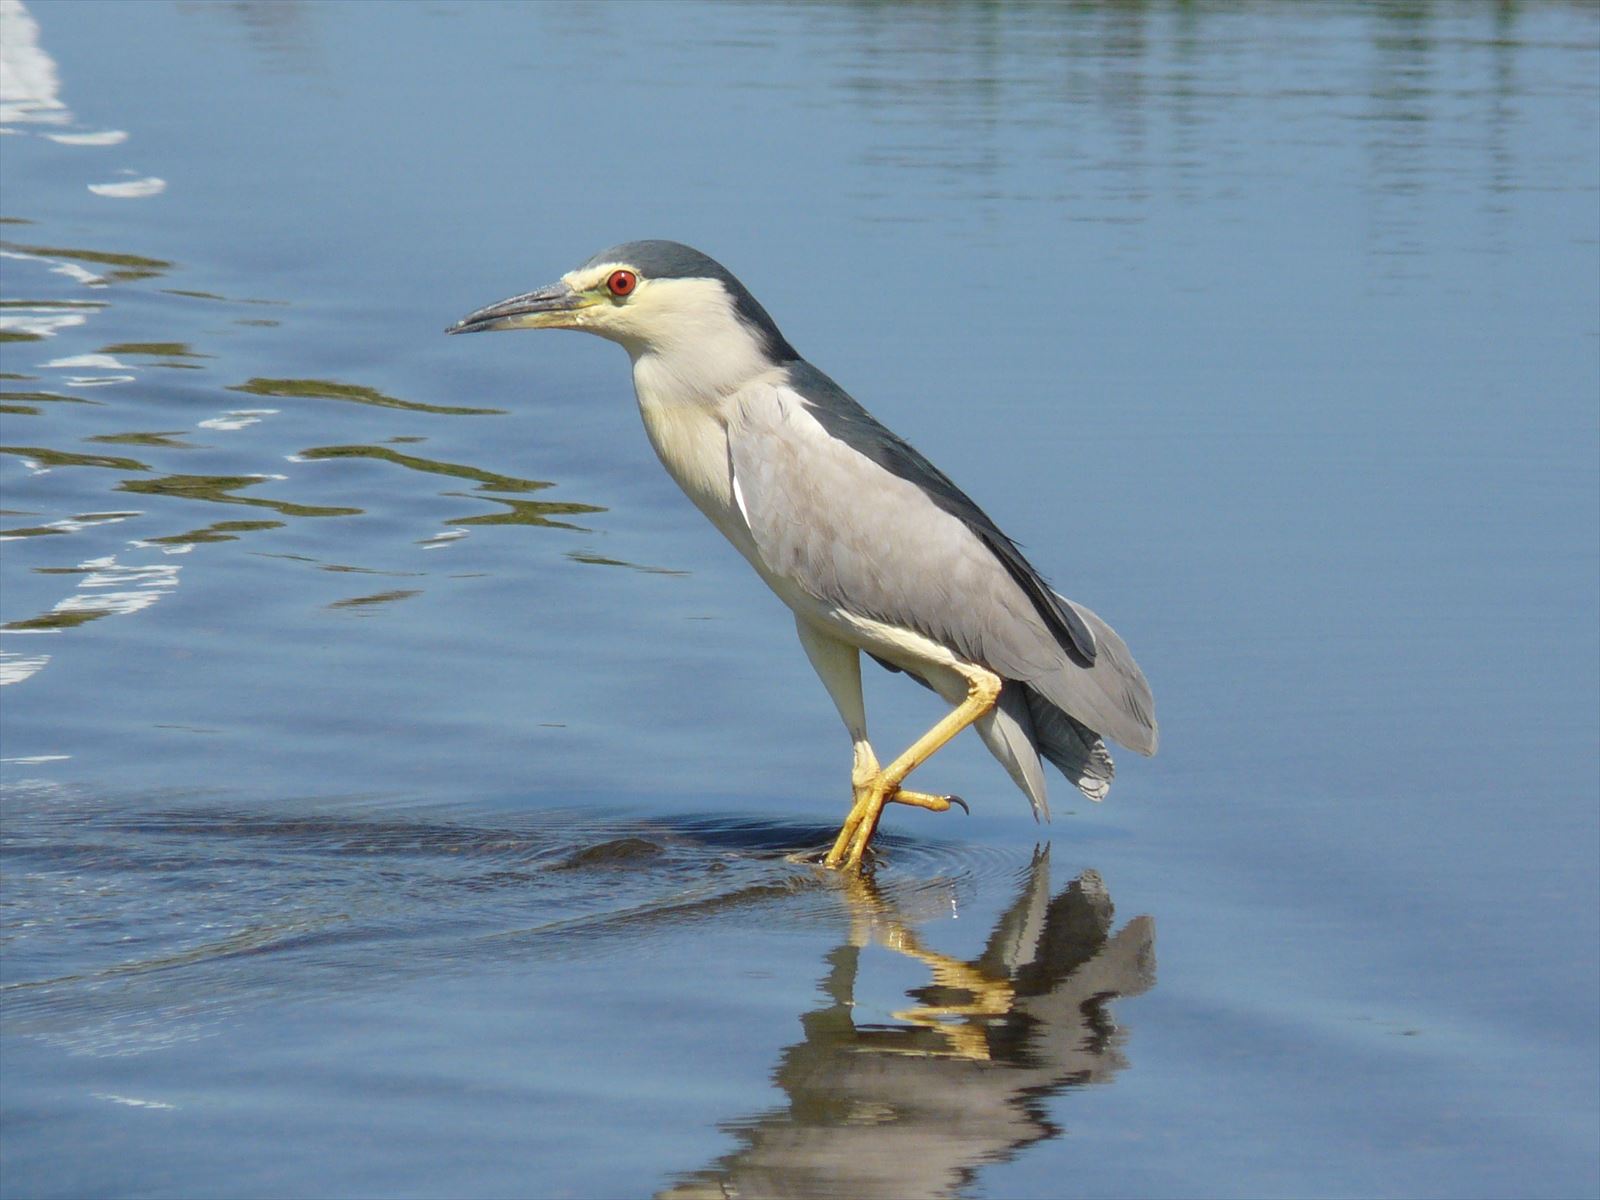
(407, 793)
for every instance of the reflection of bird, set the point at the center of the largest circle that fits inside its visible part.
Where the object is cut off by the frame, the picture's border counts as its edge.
(867, 541)
(914, 1108)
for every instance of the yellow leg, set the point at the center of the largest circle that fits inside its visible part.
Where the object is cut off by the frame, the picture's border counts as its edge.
(874, 788)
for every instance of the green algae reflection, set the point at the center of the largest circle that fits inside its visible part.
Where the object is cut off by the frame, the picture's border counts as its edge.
(362, 603)
(489, 481)
(61, 619)
(219, 489)
(526, 512)
(325, 389)
(66, 458)
(518, 512)
(124, 267)
(31, 398)
(71, 525)
(600, 560)
(217, 531)
(168, 441)
(154, 349)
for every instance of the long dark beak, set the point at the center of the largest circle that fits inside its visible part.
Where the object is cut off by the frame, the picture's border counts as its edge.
(548, 308)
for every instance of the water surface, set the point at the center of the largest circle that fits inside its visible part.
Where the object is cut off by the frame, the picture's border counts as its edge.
(405, 791)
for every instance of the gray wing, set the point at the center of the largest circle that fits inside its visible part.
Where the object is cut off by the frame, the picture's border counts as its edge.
(885, 544)
(837, 411)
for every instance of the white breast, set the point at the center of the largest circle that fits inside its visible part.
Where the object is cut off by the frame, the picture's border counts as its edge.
(692, 444)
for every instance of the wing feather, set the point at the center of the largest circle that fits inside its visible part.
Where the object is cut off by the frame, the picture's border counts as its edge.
(834, 516)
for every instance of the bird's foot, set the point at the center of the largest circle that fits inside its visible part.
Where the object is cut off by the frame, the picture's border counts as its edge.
(924, 800)
(862, 822)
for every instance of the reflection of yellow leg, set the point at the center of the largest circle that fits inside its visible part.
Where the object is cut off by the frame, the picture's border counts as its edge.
(874, 788)
(990, 998)
(962, 1025)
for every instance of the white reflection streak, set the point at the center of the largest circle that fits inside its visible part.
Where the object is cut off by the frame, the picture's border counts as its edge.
(237, 418)
(88, 381)
(105, 137)
(145, 585)
(108, 362)
(104, 362)
(133, 1101)
(70, 269)
(107, 572)
(15, 667)
(29, 88)
(72, 524)
(133, 189)
(30, 93)
(40, 324)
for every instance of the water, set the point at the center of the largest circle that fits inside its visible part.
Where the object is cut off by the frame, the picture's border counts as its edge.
(406, 792)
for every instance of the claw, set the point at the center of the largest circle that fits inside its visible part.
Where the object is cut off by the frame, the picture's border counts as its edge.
(960, 801)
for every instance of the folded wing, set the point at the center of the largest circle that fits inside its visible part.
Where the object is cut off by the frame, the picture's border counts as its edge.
(844, 509)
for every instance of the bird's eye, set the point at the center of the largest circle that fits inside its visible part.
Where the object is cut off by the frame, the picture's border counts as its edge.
(622, 282)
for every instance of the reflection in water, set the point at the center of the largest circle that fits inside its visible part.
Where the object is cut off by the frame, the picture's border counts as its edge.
(217, 531)
(172, 440)
(133, 922)
(527, 512)
(365, 603)
(35, 320)
(914, 1108)
(42, 458)
(30, 89)
(219, 489)
(64, 525)
(154, 349)
(105, 587)
(26, 403)
(125, 268)
(1129, 105)
(277, 29)
(127, 189)
(601, 560)
(325, 389)
(486, 480)
(519, 512)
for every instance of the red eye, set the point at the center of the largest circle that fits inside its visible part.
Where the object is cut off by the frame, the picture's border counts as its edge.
(622, 282)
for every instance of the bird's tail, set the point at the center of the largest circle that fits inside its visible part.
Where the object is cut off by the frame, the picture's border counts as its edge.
(1024, 725)
(1072, 746)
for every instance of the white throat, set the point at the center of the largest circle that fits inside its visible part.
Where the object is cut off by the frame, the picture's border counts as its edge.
(688, 345)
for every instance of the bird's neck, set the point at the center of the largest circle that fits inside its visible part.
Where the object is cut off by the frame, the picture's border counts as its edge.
(686, 399)
(701, 368)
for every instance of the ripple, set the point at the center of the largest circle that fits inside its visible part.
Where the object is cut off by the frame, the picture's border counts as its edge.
(160, 913)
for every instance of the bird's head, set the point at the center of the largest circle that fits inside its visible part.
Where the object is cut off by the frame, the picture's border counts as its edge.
(653, 297)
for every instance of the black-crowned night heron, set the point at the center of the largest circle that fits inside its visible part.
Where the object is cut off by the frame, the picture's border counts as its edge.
(868, 542)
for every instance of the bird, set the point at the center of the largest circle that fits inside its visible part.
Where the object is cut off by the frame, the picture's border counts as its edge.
(871, 546)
